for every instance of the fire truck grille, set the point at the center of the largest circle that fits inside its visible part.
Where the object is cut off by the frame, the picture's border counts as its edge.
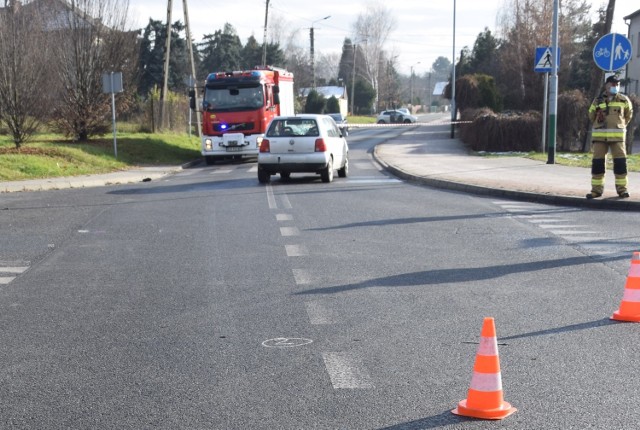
(240, 126)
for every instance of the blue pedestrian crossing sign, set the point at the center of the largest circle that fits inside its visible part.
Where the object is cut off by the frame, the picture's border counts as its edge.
(544, 59)
(612, 52)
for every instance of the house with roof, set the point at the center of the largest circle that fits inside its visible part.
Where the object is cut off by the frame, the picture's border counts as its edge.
(632, 70)
(327, 92)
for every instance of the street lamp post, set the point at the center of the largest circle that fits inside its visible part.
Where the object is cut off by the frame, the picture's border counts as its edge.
(313, 64)
(411, 85)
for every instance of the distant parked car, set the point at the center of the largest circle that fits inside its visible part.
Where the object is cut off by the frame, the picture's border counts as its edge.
(395, 117)
(303, 143)
(341, 121)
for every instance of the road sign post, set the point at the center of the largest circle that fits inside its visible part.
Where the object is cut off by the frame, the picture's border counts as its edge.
(112, 83)
(543, 63)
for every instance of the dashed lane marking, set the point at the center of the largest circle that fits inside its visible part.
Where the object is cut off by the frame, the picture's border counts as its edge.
(289, 231)
(301, 276)
(296, 250)
(319, 314)
(284, 217)
(345, 372)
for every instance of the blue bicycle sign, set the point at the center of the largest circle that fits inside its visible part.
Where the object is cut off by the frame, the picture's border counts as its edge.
(602, 52)
(612, 52)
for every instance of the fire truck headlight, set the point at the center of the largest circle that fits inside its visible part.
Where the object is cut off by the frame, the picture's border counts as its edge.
(208, 144)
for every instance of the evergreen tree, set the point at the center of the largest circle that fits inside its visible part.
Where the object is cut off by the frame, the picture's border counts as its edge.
(315, 103)
(221, 51)
(152, 48)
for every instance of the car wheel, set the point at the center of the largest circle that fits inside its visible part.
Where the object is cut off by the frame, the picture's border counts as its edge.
(407, 121)
(209, 159)
(263, 176)
(285, 176)
(344, 172)
(381, 122)
(327, 173)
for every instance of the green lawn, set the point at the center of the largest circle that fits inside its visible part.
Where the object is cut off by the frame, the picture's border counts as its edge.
(52, 156)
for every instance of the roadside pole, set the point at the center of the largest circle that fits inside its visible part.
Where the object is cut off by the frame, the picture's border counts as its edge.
(553, 101)
(544, 112)
(112, 83)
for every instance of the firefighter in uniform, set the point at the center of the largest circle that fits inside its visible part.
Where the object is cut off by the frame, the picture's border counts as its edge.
(610, 113)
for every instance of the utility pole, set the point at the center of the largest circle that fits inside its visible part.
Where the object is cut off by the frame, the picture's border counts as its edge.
(313, 64)
(193, 65)
(353, 77)
(411, 86)
(553, 99)
(167, 53)
(264, 38)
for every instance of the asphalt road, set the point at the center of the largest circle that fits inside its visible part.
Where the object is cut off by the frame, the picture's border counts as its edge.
(207, 301)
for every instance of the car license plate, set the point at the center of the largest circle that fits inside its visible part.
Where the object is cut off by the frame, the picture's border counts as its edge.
(234, 148)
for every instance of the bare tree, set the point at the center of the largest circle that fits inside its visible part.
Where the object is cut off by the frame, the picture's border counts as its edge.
(89, 38)
(525, 25)
(371, 31)
(22, 104)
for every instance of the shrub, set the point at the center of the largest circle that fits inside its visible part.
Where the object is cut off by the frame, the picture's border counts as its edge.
(488, 131)
(572, 120)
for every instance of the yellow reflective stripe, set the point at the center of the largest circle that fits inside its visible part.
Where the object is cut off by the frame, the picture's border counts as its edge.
(617, 104)
(622, 181)
(608, 136)
(597, 181)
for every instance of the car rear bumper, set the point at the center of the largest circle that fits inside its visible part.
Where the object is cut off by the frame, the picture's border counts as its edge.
(278, 163)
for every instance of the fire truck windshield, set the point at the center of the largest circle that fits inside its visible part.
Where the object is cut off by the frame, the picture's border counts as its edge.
(218, 99)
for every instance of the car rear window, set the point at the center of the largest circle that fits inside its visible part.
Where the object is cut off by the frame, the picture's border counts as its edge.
(293, 127)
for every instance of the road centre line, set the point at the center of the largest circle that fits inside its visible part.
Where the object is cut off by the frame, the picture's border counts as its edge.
(345, 372)
(301, 276)
(289, 231)
(13, 269)
(296, 250)
(284, 217)
(4, 280)
(286, 204)
(319, 314)
(271, 198)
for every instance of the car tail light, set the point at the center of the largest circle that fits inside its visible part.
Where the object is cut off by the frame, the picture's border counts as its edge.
(320, 145)
(264, 146)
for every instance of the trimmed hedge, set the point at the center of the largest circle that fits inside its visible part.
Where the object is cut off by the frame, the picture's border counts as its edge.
(506, 132)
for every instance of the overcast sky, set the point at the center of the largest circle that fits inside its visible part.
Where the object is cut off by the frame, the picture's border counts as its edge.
(424, 29)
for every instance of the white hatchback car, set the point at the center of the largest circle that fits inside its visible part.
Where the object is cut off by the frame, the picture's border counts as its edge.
(395, 117)
(303, 143)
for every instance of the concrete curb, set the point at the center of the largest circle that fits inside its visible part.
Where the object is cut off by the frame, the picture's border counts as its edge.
(607, 203)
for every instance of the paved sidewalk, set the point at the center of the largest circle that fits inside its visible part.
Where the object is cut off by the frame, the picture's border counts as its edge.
(429, 156)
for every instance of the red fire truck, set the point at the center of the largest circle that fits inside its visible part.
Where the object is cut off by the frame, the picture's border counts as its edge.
(237, 108)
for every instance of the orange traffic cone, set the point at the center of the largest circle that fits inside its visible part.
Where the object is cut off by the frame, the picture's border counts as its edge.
(485, 399)
(630, 305)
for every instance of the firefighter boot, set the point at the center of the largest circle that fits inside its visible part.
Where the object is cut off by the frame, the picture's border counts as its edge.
(620, 172)
(597, 178)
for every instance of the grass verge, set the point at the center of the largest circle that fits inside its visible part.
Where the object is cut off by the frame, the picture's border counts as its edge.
(49, 156)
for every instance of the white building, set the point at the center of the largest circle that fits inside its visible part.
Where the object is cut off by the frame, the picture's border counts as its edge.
(633, 66)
